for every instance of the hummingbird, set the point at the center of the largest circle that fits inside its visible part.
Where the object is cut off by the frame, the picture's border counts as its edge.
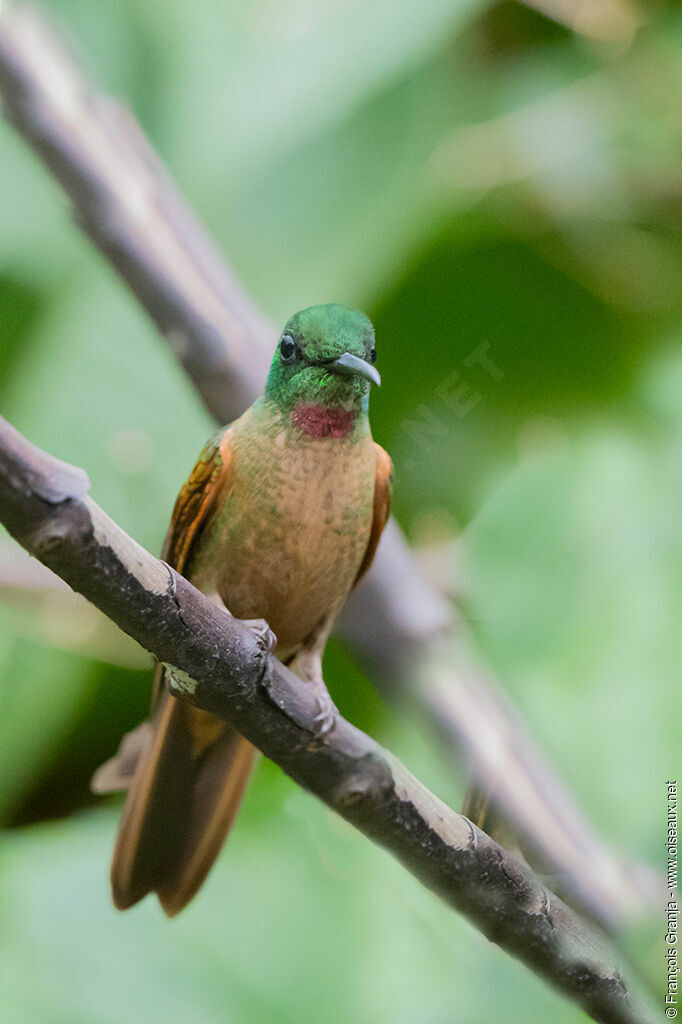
(277, 522)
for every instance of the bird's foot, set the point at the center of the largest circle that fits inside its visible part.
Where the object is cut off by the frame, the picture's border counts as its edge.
(325, 719)
(262, 632)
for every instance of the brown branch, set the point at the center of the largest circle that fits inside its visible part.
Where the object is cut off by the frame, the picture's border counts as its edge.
(123, 198)
(218, 664)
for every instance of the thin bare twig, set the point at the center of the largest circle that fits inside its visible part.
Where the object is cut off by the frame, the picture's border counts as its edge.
(405, 630)
(218, 664)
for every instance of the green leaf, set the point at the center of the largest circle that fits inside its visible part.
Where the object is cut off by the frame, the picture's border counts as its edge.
(574, 565)
(42, 692)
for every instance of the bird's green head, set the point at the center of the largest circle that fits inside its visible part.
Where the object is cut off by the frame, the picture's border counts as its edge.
(323, 368)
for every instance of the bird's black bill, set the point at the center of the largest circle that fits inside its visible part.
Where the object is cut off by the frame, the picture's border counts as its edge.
(351, 365)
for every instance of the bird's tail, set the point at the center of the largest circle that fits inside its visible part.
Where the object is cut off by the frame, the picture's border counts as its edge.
(185, 772)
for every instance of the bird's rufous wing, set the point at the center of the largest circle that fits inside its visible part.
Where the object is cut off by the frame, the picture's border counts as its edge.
(198, 497)
(383, 486)
(207, 482)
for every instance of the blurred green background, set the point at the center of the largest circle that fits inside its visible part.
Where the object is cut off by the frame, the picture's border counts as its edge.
(499, 187)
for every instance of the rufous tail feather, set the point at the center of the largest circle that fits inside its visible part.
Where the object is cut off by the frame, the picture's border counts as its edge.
(182, 800)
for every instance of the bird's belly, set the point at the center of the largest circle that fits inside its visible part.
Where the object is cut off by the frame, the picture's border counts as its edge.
(291, 537)
(294, 589)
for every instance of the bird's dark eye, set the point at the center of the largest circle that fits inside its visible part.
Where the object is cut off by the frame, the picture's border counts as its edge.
(373, 356)
(288, 348)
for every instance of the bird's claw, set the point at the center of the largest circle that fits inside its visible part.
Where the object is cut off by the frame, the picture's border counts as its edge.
(263, 634)
(325, 719)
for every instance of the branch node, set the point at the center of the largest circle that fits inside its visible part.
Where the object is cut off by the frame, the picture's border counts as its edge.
(545, 907)
(472, 844)
(352, 791)
(64, 525)
(173, 594)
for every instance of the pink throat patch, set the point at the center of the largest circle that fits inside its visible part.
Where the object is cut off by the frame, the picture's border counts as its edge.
(324, 420)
